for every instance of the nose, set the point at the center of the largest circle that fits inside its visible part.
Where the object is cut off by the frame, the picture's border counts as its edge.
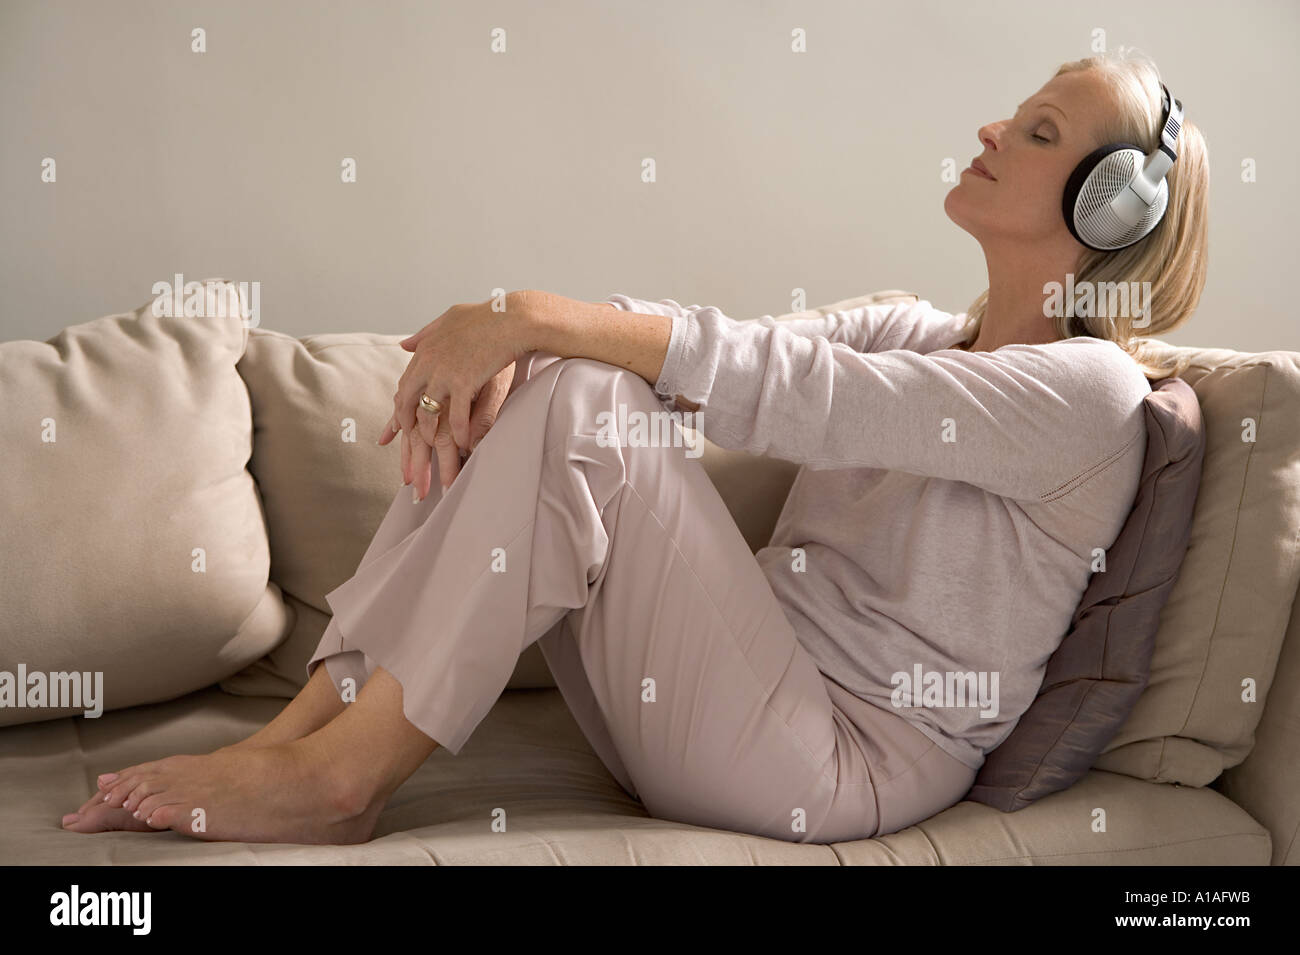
(989, 134)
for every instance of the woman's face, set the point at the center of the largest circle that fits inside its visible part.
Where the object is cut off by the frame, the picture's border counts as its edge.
(1031, 156)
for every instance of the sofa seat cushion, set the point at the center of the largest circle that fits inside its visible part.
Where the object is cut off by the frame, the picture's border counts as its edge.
(1145, 823)
(562, 807)
(132, 545)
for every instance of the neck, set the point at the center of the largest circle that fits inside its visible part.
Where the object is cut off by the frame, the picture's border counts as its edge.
(1014, 311)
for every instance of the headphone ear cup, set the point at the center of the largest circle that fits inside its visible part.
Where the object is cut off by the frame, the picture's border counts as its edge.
(1075, 185)
(1099, 178)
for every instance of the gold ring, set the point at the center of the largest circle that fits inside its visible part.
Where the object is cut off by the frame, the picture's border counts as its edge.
(430, 405)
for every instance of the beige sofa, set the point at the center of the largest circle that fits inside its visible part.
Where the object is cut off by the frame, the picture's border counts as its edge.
(207, 483)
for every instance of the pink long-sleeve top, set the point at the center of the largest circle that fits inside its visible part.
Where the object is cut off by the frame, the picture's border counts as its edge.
(950, 506)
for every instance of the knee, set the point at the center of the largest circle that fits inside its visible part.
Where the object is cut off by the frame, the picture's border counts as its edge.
(585, 375)
(586, 393)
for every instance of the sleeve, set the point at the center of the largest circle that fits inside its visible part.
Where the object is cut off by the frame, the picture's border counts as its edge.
(864, 328)
(1022, 422)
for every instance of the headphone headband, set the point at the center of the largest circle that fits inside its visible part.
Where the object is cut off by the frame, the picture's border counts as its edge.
(1158, 161)
(1171, 123)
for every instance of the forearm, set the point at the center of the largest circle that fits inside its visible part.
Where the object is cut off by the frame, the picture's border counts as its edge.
(575, 329)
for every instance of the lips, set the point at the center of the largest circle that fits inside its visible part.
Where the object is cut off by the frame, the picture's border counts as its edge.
(979, 166)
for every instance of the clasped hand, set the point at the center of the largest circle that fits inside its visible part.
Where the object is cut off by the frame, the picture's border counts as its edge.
(465, 360)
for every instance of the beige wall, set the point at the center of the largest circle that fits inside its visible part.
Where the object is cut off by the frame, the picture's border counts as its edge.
(476, 170)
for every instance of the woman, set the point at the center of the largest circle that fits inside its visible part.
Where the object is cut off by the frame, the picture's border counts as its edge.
(961, 474)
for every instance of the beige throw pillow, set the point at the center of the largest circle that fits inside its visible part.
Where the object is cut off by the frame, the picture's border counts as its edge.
(132, 547)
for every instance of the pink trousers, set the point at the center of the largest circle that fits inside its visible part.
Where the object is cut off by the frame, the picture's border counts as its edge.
(659, 627)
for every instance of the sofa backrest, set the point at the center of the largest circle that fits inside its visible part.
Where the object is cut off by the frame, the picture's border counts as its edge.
(1222, 630)
(1226, 677)
(1267, 782)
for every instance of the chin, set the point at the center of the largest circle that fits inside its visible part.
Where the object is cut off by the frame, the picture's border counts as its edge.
(954, 206)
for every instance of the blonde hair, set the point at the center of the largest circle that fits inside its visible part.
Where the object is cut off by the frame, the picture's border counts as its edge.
(1173, 256)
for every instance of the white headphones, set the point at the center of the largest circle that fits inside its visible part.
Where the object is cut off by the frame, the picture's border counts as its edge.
(1118, 193)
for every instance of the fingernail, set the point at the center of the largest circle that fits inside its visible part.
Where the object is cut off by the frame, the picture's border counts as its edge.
(415, 494)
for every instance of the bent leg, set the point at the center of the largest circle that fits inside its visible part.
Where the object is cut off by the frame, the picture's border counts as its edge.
(452, 591)
(685, 666)
(346, 665)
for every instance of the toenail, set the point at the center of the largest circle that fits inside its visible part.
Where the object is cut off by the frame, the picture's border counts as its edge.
(106, 796)
(107, 777)
(136, 814)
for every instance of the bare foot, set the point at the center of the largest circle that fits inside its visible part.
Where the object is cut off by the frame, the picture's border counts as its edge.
(94, 815)
(285, 792)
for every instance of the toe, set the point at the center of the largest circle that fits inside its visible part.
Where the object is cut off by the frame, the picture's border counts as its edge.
(152, 803)
(130, 784)
(166, 817)
(118, 792)
(106, 781)
(143, 790)
(96, 800)
(104, 819)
